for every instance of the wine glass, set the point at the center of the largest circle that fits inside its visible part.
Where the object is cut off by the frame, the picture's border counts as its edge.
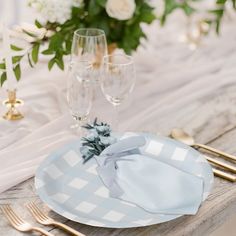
(118, 79)
(89, 44)
(79, 92)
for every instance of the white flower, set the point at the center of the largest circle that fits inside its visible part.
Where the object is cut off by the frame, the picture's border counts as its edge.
(19, 31)
(92, 136)
(107, 140)
(120, 9)
(103, 128)
(55, 10)
(49, 33)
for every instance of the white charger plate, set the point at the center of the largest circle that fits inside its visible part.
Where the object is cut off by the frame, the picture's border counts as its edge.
(75, 191)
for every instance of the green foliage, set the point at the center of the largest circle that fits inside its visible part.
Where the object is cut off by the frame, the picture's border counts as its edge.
(126, 34)
(35, 52)
(16, 66)
(3, 78)
(15, 48)
(218, 13)
(17, 71)
(172, 5)
(186, 6)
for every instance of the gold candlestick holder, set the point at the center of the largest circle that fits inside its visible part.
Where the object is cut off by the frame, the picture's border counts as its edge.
(12, 103)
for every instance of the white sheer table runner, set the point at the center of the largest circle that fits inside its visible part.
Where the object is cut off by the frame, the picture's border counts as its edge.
(169, 77)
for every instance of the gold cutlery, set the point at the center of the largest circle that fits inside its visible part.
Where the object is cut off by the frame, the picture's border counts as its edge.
(224, 175)
(43, 219)
(19, 224)
(221, 164)
(182, 136)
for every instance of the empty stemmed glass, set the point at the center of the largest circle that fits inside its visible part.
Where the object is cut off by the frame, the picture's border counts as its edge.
(118, 79)
(89, 44)
(79, 92)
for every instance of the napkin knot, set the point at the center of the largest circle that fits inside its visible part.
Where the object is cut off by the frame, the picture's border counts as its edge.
(107, 161)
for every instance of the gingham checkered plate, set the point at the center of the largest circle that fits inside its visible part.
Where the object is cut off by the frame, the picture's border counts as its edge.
(75, 191)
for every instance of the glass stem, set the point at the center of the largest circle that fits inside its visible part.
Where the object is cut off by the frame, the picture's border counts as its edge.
(116, 118)
(78, 125)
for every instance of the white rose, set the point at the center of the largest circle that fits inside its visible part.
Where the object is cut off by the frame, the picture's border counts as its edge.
(120, 9)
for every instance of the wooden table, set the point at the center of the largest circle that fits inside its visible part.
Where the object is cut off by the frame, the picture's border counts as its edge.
(193, 90)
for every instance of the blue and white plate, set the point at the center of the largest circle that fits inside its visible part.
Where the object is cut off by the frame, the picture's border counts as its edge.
(75, 191)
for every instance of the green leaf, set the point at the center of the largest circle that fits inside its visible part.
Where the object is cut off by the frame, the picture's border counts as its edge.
(94, 8)
(102, 23)
(38, 24)
(188, 9)
(234, 4)
(218, 12)
(170, 6)
(16, 59)
(29, 60)
(87, 158)
(147, 17)
(163, 19)
(2, 66)
(218, 26)
(47, 52)
(146, 13)
(68, 45)
(51, 63)
(35, 53)
(221, 1)
(98, 147)
(102, 3)
(56, 42)
(3, 78)
(59, 61)
(17, 71)
(15, 48)
(30, 34)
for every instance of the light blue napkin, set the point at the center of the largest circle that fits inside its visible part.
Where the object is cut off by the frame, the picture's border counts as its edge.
(150, 184)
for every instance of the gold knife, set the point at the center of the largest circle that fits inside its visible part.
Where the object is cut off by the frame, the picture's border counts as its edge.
(224, 175)
(221, 164)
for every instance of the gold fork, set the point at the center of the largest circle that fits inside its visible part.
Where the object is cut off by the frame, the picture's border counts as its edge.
(46, 220)
(18, 223)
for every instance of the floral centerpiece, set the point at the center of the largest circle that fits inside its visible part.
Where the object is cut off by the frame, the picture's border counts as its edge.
(120, 19)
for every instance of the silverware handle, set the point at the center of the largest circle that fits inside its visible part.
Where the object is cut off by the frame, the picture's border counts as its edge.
(67, 229)
(224, 175)
(42, 231)
(213, 150)
(221, 164)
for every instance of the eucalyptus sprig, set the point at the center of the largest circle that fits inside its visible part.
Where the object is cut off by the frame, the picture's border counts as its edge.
(98, 138)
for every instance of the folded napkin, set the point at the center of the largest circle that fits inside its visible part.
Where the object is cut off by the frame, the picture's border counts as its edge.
(150, 184)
